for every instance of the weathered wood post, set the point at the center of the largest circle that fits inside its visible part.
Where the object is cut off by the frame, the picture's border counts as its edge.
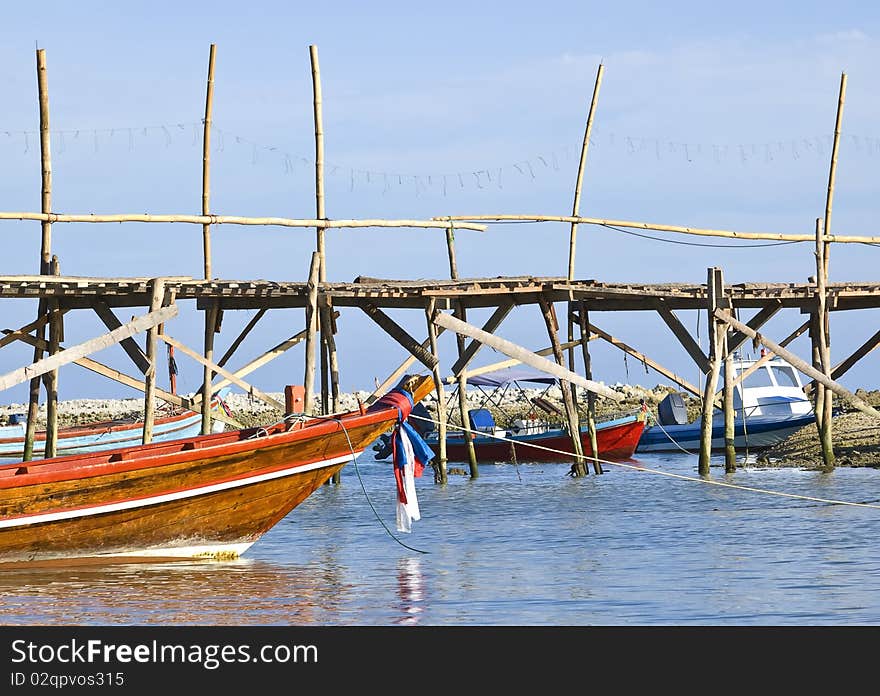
(579, 468)
(584, 320)
(823, 249)
(460, 313)
(714, 295)
(56, 329)
(822, 353)
(311, 328)
(729, 413)
(441, 476)
(156, 300)
(211, 311)
(45, 245)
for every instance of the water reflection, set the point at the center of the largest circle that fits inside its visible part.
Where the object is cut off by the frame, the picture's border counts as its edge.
(410, 590)
(217, 593)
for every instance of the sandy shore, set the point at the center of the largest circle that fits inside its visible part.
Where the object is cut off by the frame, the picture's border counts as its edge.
(856, 435)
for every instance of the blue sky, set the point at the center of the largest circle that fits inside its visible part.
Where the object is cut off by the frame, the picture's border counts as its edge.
(708, 117)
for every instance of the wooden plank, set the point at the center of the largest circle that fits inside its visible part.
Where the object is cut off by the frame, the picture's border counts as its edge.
(102, 309)
(12, 336)
(491, 324)
(523, 355)
(71, 354)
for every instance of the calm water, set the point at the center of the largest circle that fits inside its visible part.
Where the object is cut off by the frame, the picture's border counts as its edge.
(520, 545)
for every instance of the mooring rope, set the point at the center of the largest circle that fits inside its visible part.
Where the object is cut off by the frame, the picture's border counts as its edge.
(670, 474)
(363, 487)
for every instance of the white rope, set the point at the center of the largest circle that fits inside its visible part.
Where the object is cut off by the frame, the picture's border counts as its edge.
(682, 477)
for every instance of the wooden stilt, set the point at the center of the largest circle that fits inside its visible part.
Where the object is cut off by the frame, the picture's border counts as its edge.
(461, 314)
(440, 475)
(211, 314)
(584, 320)
(729, 413)
(156, 301)
(45, 244)
(715, 289)
(823, 399)
(312, 329)
(579, 467)
(51, 378)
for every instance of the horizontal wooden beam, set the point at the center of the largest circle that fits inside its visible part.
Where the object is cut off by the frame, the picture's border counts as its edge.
(69, 355)
(661, 227)
(524, 355)
(237, 220)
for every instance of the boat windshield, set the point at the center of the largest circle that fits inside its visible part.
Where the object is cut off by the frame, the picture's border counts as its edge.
(785, 376)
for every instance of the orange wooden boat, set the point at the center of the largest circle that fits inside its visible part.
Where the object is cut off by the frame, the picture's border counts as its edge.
(208, 497)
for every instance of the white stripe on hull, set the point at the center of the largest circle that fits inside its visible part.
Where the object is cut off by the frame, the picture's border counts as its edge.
(169, 497)
(223, 551)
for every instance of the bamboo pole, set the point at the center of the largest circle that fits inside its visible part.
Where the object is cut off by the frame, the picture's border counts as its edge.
(45, 242)
(575, 210)
(715, 289)
(579, 467)
(156, 300)
(312, 328)
(441, 473)
(236, 220)
(461, 313)
(729, 414)
(584, 321)
(799, 364)
(206, 163)
(703, 232)
(51, 378)
(823, 399)
(319, 156)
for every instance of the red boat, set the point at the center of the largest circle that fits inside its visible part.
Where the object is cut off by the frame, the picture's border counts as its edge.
(535, 439)
(209, 497)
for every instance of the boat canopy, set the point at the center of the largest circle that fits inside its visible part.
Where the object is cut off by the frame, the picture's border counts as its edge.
(498, 378)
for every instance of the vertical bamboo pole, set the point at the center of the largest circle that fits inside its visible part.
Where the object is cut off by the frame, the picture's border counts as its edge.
(440, 474)
(580, 175)
(579, 467)
(729, 413)
(822, 277)
(51, 378)
(714, 291)
(210, 313)
(459, 340)
(820, 323)
(45, 243)
(588, 373)
(156, 301)
(312, 328)
(572, 242)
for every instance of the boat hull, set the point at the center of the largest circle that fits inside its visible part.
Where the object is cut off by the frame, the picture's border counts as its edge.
(615, 441)
(204, 497)
(758, 434)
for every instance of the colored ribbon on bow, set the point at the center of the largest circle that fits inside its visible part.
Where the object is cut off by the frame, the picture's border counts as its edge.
(410, 455)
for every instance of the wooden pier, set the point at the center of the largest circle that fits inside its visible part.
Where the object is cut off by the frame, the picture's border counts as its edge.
(445, 303)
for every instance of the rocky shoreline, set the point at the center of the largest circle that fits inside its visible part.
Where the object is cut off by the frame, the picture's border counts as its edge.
(856, 435)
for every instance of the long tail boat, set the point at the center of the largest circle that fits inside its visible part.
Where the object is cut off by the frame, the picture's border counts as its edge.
(204, 497)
